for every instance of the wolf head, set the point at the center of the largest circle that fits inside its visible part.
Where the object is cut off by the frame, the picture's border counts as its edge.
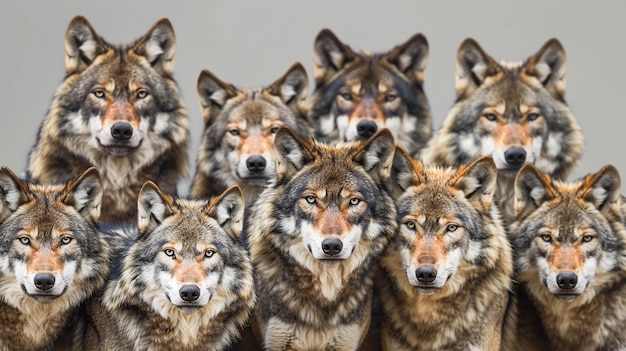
(515, 112)
(358, 93)
(569, 238)
(240, 125)
(50, 249)
(446, 221)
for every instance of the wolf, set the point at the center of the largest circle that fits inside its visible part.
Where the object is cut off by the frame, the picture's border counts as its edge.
(52, 257)
(357, 93)
(180, 279)
(314, 234)
(445, 279)
(239, 128)
(118, 109)
(570, 261)
(515, 112)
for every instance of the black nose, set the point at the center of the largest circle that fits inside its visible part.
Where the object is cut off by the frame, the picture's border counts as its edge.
(366, 128)
(567, 280)
(426, 274)
(121, 131)
(189, 293)
(44, 281)
(332, 246)
(515, 156)
(256, 163)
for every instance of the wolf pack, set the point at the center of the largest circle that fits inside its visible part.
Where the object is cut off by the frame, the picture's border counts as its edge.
(332, 219)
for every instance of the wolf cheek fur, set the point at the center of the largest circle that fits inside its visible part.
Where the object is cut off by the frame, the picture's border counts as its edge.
(118, 109)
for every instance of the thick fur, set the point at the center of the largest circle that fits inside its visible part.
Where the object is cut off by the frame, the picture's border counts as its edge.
(118, 109)
(570, 245)
(357, 93)
(179, 248)
(52, 257)
(237, 146)
(515, 112)
(445, 279)
(314, 234)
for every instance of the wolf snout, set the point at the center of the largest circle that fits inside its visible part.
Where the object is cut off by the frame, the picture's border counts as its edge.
(44, 281)
(426, 274)
(189, 293)
(515, 156)
(566, 280)
(332, 246)
(256, 163)
(121, 131)
(366, 128)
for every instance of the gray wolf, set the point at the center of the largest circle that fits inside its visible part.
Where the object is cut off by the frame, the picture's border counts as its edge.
(515, 112)
(118, 109)
(314, 234)
(357, 93)
(180, 278)
(240, 124)
(445, 279)
(570, 262)
(52, 257)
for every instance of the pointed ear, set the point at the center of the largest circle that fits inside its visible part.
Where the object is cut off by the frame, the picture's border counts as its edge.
(376, 155)
(13, 193)
(85, 194)
(473, 67)
(153, 207)
(292, 152)
(405, 171)
(548, 65)
(293, 87)
(227, 209)
(213, 94)
(411, 57)
(602, 188)
(82, 45)
(478, 182)
(158, 46)
(330, 55)
(532, 188)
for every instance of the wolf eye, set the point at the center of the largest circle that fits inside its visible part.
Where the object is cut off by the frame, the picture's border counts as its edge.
(310, 199)
(346, 96)
(490, 116)
(234, 132)
(170, 253)
(546, 237)
(410, 224)
(24, 240)
(355, 201)
(532, 116)
(142, 94)
(451, 227)
(390, 97)
(99, 93)
(66, 240)
(587, 238)
(209, 253)
(274, 130)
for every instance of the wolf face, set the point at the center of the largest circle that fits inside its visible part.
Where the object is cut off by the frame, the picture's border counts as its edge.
(569, 236)
(515, 112)
(118, 109)
(240, 125)
(358, 93)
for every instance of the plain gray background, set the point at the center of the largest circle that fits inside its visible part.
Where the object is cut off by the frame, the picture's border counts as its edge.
(252, 43)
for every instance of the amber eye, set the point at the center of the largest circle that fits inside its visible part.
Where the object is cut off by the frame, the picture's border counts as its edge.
(490, 116)
(234, 132)
(310, 199)
(355, 201)
(546, 237)
(587, 238)
(274, 130)
(346, 96)
(209, 253)
(451, 227)
(410, 224)
(99, 93)
(533, 116)
(66, 240)
(390, 97)
(142, 94)
(24, 240)
(170, 253)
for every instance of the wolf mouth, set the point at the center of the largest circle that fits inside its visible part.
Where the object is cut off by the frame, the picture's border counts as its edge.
(118, 150)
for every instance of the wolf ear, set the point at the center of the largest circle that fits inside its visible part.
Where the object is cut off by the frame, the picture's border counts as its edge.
(213, 94)
(411, 57)
(292, 152)
(532, 188)
(548, 65)
(85, 194)
(158, 46)
(13, 193)
(330, 55)
(405, 171)
(82, 45)
(376, 155)
(293, 87)
(227, 209)
(473, 67)
(478, 182)
(153, 207)
(602, 188)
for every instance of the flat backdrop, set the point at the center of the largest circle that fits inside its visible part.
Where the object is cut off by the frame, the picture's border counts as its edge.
(252, 43)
